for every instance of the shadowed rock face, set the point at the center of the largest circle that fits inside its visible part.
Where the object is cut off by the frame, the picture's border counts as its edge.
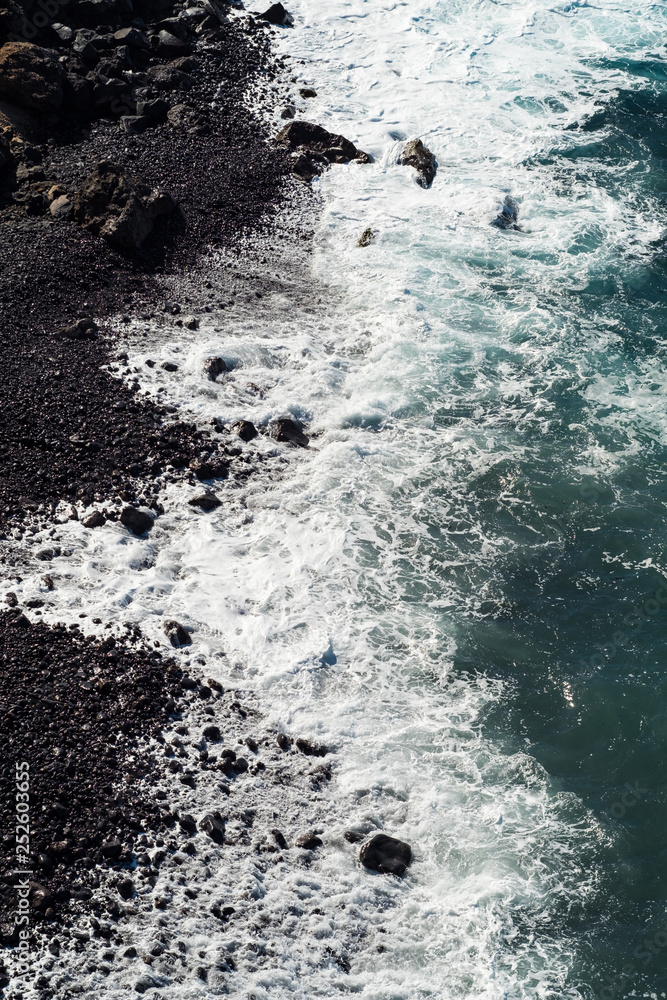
(117, 207)
(419, 156)
(31, 76)
(386, 855)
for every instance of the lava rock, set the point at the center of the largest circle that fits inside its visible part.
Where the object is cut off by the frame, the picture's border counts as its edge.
(131, 37)
(309, 841)
(277, 15)
(94, 520)
(212, 733)
(416, 154)
(353, 837)
(170, 46)
(316, 148)
(507, 218)
(366, 238)
(126, 888)
(312, 749)
(112, 204)
(177, 634)
(111, 850)
(207, 501)
(214, 367)
(61, 207)
(283, 741)
(280, 839)
(213, 825)
(39, 897)
(386, 855)
(169, 78)
(307, 92)
(83, 329)
(31, 76)
(210, 468)
(138, 521)
(289, 431)
(245, 430)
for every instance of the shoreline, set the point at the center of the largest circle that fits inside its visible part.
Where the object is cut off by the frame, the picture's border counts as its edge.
(104, 854)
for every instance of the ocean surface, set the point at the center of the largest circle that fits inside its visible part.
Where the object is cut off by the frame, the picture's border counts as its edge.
(462, 585)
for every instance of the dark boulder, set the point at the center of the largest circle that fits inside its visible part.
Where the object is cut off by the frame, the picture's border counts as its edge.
(312, 749)
(138, 521)
(112, 850)
(94, 520)
(119, 208)
(508, 216)
(131, 37)
(290, 432)
(126, 888)
(309, 842)
(315, 148)
(169, 78)
(171, 47)
(210, 468)
(212, 733)
(31, 76)
(40, 898)
(206, 501)
(386, 855)
(278, 15)
(416, 154)
(213, 825)
(214, 367)
(178, 635)
(245, 430)
(83, 329)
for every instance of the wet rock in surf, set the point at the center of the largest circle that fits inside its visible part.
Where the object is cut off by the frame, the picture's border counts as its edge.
(278, 15)
(94, 520)
(214, 367)
(416, 154)
(508, 216)
(206, 501)
(31, 76)
(366, 238)
(214, 826)
(312, 749)
(116, 206)
(245, 430)
(315, 149)
(138, 521)
(386, 855)
(210, 468)
(309, 842)
(290, 432)
(177, 634)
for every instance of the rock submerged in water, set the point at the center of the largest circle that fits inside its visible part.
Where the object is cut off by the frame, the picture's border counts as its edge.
(290, 432)
(177, 634)
(277, 15)
(138, 521)
(386, 855)
(508, 216)
(315, 149)
(416, 154)
(119, 208)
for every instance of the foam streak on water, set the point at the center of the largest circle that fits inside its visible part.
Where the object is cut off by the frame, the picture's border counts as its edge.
(454, 357)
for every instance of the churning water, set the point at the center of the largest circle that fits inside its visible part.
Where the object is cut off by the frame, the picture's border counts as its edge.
(460, 585)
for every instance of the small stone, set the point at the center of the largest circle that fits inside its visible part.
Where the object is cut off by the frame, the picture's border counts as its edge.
(366, 238)
(187, 822)
(280, 839)
(251, 744)
(289, 431)
(241, 765)
(312, 749)
(136, 124)
(309, 842)
(353, 837)
(386, 855)
(94, 520)
(307, 92)
(213, 825)
(214, 367)
(126, 888)
(61, 207)
(112, 849)
(245, 430)
(212, 733)
(84, 329)
(169, 366)
(208, 501)
(177, 635)
(40, 897)
(138, 521)
(277, 15)
(11, 599)
(283, 741)
(191, 322)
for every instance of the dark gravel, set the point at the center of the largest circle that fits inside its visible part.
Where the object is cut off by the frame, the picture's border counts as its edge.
(70, 430)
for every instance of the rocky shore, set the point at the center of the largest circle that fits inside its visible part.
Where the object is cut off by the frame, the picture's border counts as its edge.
(135, 139)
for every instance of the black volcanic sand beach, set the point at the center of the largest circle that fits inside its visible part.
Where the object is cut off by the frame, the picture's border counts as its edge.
(66, 433)
(79, 709)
